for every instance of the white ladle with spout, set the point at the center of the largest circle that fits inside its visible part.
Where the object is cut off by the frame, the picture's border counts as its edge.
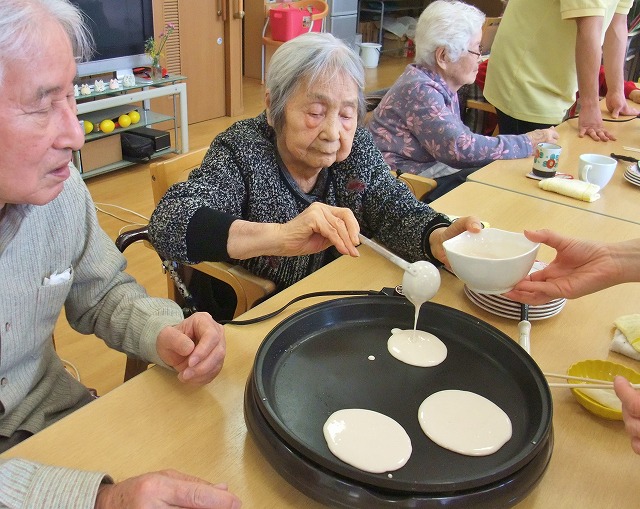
(421, 280)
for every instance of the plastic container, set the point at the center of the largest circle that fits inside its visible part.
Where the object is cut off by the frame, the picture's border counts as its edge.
(370, 54)
(288, 22)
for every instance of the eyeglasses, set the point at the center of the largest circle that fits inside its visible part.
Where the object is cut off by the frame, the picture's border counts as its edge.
(476, 53)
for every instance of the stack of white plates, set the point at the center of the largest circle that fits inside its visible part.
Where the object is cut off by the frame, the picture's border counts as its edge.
(507, 308)
(632, 175)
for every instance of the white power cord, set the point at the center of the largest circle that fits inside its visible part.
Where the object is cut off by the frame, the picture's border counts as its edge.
(71, 368)
(98, 205)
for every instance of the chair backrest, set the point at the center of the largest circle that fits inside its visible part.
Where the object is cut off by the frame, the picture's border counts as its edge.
(489, 30)
(166, 173)
(420, 186)
(249, 288)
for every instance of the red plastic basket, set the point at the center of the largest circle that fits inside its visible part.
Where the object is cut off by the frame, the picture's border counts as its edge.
(288, 22)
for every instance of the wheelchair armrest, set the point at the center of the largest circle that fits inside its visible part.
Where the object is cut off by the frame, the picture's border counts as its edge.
(125, 239)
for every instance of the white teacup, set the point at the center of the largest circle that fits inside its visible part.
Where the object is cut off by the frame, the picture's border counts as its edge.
(596, 169)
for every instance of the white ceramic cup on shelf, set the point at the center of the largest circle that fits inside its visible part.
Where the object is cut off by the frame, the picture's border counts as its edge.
(596, 169)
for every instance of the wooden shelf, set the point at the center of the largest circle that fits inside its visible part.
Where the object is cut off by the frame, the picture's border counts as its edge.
(147, 118)
(124, 163)
(113, 103)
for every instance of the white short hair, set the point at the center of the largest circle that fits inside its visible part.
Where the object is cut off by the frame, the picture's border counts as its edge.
(20, 35)
(306, 59)
(448, 24)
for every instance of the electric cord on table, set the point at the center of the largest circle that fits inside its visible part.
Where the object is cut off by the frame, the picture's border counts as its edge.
(609, 119)
(384, 291)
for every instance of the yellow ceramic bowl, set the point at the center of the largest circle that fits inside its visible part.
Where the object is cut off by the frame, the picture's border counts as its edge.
(600, 370)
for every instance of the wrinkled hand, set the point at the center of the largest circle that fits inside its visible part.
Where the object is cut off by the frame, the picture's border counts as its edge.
(195, 348)
(635, 95)
(630, 399)
(165, 489)
(549, 135)
(469, 223)
(579, 268)
(590, 123)
(319, 227)
(617, 105)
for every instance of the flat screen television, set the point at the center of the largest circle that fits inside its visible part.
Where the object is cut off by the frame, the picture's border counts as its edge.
(120, 29)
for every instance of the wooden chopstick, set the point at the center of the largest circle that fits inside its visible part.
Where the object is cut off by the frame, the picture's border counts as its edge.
(579, 378)
(583, 386)
(632, 149)
(590, 383)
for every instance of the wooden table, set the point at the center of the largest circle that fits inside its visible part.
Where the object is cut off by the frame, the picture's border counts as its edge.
(618, 199)
(155, 422)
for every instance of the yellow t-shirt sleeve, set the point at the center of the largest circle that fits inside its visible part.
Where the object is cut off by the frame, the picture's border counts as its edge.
(570, 9)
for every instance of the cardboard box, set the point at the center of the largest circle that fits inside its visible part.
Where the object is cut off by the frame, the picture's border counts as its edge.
(101, 152)
(491, 8)
(392, 45)
(369, 31)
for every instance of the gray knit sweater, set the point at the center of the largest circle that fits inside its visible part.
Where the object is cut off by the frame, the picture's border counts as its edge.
(241, 177)
(37, 242)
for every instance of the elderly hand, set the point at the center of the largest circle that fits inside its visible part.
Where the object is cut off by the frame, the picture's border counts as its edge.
(580, 267)
(543, 136)
(165, 489)
(617, 105)
(630, 399)
(438, 236)
(195, 348)
(635, 95)
(319, 227)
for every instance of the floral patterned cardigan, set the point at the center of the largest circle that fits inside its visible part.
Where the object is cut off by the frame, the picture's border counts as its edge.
(418, 124)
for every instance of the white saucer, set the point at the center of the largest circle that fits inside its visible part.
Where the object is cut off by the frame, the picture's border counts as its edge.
(632, 180)
(633, 169)
(513, 313)
(508, 304)
(507, 308)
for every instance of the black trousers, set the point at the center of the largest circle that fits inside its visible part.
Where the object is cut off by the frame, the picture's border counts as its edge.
(510, 125)
(447, 183)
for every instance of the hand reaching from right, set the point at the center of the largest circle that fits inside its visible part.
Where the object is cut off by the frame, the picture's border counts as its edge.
(579, 268)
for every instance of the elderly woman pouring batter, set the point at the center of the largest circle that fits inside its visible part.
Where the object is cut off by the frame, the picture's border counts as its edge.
(275, 191)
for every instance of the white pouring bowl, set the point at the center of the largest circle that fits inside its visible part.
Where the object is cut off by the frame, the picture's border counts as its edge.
(491, 261)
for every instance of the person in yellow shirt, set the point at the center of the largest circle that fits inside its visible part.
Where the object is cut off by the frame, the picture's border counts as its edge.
(546, 51)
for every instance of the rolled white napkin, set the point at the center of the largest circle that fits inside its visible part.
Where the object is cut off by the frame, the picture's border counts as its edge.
(629, 325)
(621, 345)
(573, 188)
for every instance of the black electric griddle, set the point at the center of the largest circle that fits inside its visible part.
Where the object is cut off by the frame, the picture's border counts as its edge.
(317, 361)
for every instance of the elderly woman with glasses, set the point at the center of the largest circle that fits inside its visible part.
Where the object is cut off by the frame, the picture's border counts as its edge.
(274, 192)
(417, 125)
